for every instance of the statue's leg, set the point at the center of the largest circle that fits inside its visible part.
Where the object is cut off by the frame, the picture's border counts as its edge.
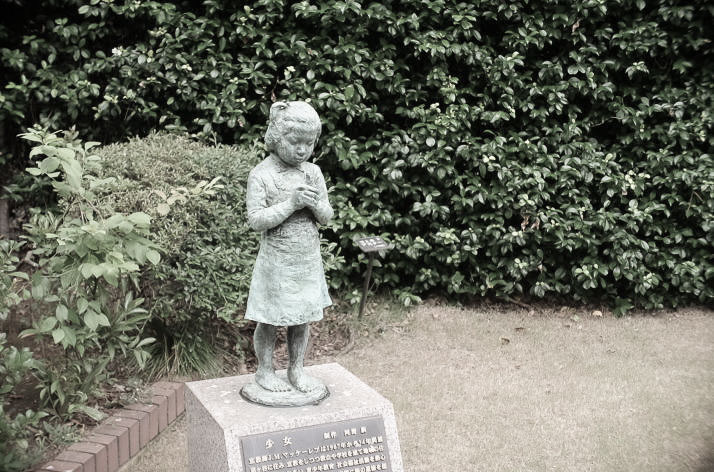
(264, 341)
(297, 345)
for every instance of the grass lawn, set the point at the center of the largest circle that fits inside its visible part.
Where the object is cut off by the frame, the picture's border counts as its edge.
(498, 389)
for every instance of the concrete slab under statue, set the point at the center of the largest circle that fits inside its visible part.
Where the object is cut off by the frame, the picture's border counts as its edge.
(351, 430)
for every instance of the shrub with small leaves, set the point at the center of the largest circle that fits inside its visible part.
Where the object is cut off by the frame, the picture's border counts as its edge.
(208, 248)
(505, 148)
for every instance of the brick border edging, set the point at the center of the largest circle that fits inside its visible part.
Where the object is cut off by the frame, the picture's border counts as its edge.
(121, 436)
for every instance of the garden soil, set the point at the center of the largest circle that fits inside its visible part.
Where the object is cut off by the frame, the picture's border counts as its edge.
(493, 389)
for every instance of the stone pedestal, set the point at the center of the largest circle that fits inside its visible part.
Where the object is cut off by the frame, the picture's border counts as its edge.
(352, 430)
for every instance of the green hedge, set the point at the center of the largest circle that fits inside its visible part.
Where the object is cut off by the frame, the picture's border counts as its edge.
(505, 148)
(208, 248)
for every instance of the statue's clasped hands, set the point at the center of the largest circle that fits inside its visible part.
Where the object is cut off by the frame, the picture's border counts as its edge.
(304, 196)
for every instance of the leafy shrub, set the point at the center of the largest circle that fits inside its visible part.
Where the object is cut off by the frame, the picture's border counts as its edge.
(10, 292)
(208, 248)
(16, 452)
(506, 149)
(206, 241)
(88, 261)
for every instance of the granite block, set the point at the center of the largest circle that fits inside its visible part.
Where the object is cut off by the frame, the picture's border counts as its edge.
(220, 422)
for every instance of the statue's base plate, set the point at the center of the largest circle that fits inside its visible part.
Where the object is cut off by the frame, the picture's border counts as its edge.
(257, 394)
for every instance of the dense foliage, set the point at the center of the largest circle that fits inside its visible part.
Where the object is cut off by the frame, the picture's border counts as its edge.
(208, 248)
(88, 261)
(16, 429)
(505, 148)
(85, 264)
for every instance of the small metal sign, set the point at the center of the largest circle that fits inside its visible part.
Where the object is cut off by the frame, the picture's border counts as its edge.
(345, 446)
(369, 245)
(372, 244)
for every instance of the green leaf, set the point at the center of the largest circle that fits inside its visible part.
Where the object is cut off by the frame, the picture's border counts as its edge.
(112, 277)
(66, 153)
(49, 164)
(91, 320)
(88, 270)
(114, 221)
(20, 275)
(141, 357)
(48, 324)
(153, 256)
(82, 305)
(73, 173)
(102, 320)
(26, 333)
(70, 337)
(31, 137)
(58, 335)
(93, 413)
(126, 227)
(61, 313)
(140, 219)
(98, 270)
(145, 342)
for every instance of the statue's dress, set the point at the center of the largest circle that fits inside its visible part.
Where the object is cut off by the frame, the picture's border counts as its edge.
(288, 286)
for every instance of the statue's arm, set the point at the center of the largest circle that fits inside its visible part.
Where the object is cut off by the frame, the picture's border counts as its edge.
(262, 217)
(323, 210)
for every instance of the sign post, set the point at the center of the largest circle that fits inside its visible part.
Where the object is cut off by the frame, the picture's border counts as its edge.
(369, 245)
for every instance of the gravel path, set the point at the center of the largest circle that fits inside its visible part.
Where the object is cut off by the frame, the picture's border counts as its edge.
(494, 390)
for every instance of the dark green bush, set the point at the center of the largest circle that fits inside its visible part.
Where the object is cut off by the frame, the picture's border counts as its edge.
(506, 148)
(87, 264)
(208, 248)
(17, 449)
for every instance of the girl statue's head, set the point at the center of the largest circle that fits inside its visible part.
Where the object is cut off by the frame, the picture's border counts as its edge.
(289, 123)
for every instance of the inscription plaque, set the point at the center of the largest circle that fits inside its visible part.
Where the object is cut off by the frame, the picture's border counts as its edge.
(358, 445)
(372, 244)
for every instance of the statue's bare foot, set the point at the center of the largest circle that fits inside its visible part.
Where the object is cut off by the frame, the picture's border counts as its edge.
(269, 381)
(302, 381)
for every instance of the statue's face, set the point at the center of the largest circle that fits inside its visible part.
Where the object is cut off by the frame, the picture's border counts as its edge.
(296, 145)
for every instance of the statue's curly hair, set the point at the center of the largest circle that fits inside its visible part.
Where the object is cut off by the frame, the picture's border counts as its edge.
(284, 114)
